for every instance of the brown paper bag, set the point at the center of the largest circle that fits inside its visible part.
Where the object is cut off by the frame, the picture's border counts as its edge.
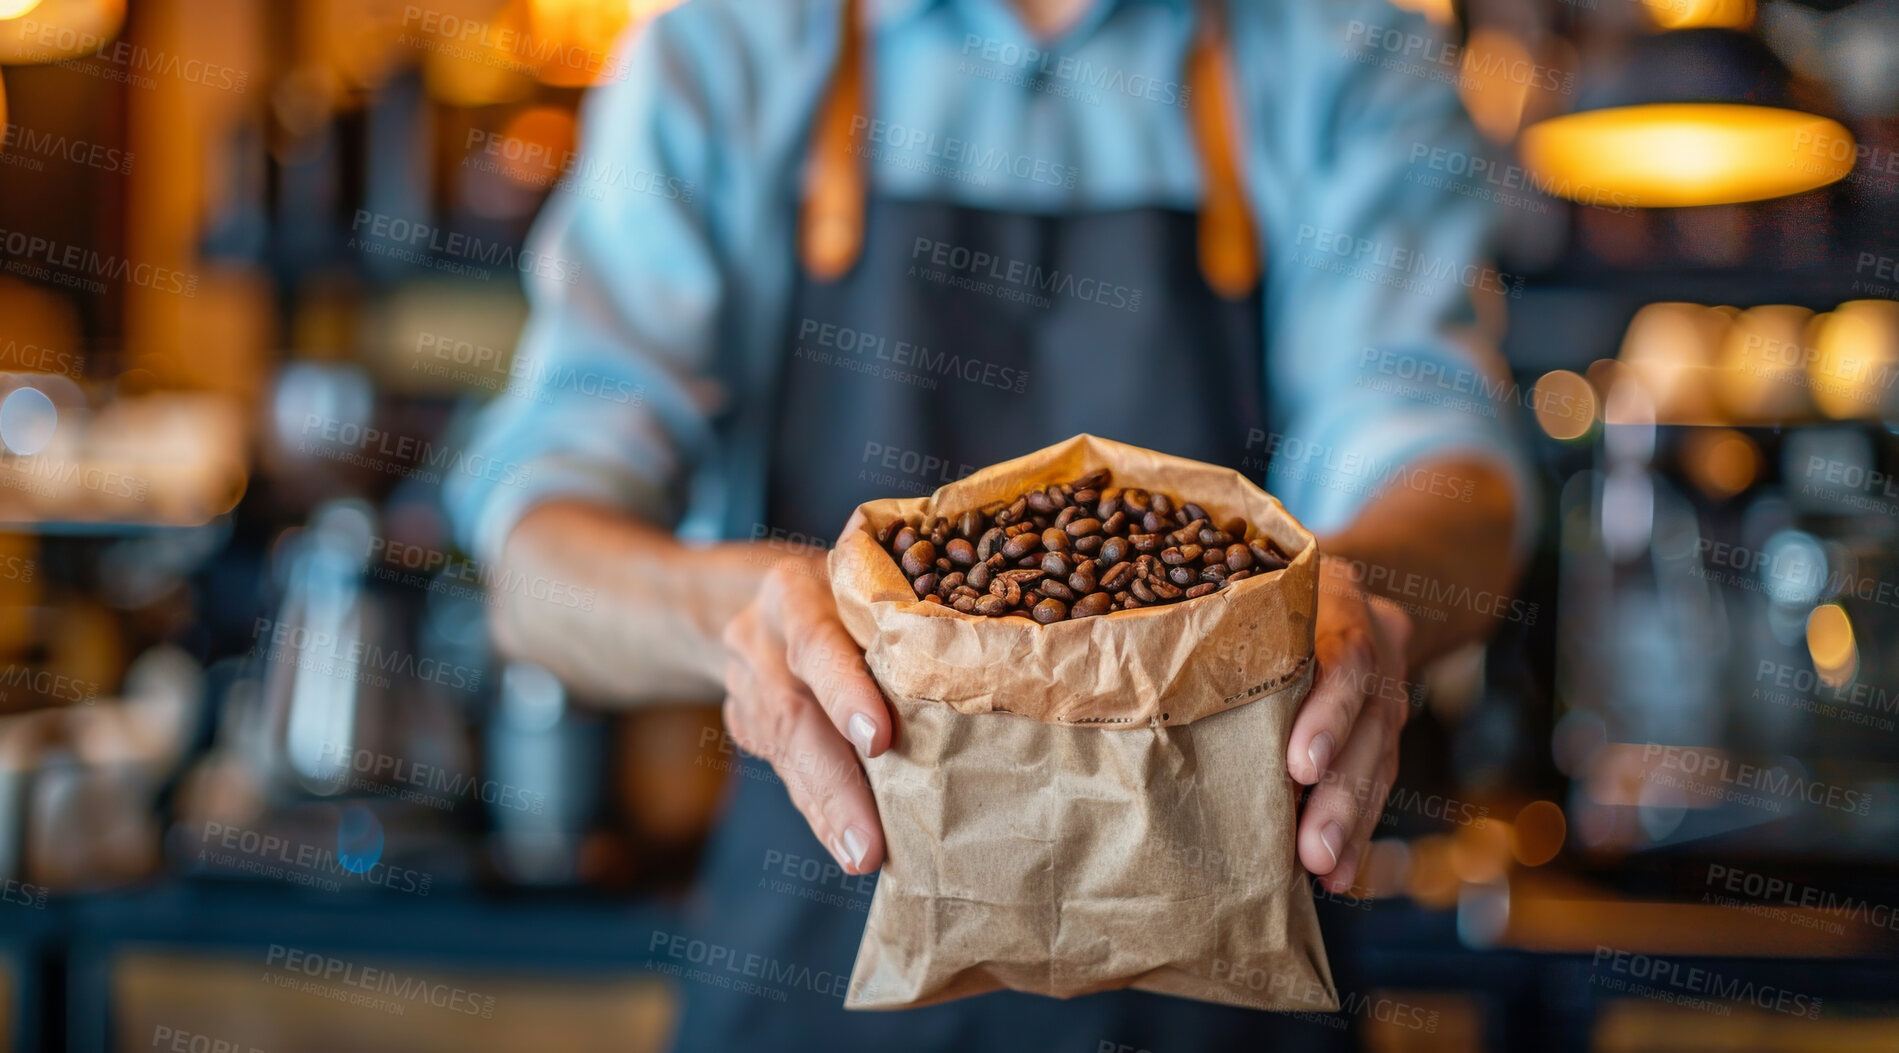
(1092, 804)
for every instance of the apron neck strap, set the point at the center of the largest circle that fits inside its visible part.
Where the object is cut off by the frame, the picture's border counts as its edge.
(831, 216)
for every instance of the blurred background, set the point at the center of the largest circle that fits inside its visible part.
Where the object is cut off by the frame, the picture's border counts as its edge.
(249, 716)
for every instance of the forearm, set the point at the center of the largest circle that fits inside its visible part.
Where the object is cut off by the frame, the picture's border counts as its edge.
(1447, 562)
(631, 615)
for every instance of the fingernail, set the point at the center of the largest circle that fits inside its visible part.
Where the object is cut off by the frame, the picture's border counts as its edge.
(862, 732)
(1332, 835)
(857, 843)
(837, 849)
(1319, 753)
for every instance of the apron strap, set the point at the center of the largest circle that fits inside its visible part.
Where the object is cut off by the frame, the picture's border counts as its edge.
(831, 220)
(831, 217)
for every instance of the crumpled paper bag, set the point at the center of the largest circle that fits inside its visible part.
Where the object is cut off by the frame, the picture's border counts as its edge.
(1092, 804)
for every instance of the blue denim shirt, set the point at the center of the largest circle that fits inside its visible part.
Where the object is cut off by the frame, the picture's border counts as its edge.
(652, 347)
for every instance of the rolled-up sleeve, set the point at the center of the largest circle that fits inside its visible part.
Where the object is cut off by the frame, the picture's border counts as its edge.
(1379, 363)
(610, 397)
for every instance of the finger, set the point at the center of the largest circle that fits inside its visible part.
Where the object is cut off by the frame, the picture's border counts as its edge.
(1346, 666)
(827, 786)
(822, 654)
(1342, 811)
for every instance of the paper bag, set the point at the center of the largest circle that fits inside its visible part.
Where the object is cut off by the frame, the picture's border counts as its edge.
(1092, 804)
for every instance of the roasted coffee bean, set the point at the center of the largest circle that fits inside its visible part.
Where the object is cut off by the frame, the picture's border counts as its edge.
(1056, 540)
(1089, 545)
(979, 575)
(991, 541)
(1107, 506)
(1086, 495)
(970, 524)
(1084, 527)
(1068, 515)
(1122, 596)
(889, 532)
(1238, 557)
(906, 537)
(1116, 549)
(1050, 610)
(1094, 480)
(1165, 590)
(1238, 575)
(1135, 500)
(951, 581)
(1117, 576)
(1182, 555)
(1182, 576)
(966, 604)
(1146, 542)
(940, 532)
(1022, 544)
(1264, 557)
(1056, 590)
(1009, 590)
(1056, 565)
(960, 552)
(1188, 534)
(992, 605)
(1030, 560)
(1092, 604)
(932, 598)
(1161, 505)
(924, 585)
(1193, 511)
(1132, 603)
(1215, 538)
(1153, 522)
(1141, 591)
(919, 558)
(1196, 591)
(1216, 573)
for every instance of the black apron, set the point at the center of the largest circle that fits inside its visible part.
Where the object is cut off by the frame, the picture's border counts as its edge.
(962, 337)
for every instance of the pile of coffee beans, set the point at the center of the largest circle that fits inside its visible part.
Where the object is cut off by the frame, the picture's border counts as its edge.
(1075, 550)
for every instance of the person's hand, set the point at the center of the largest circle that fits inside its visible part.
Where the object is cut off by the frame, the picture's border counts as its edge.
(799, 695)
(1345, 739)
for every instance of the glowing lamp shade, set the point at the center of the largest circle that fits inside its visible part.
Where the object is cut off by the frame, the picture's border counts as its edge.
(52, 30)
(1667, 155)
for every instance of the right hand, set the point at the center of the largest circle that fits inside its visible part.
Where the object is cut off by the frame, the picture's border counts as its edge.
(799, 695)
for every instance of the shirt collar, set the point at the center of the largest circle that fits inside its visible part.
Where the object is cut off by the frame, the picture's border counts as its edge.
(887, 13)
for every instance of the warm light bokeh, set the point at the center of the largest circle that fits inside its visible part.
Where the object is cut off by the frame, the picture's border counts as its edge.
(1683, 154)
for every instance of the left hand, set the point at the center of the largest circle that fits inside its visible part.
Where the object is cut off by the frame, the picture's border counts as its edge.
(1345, 738)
